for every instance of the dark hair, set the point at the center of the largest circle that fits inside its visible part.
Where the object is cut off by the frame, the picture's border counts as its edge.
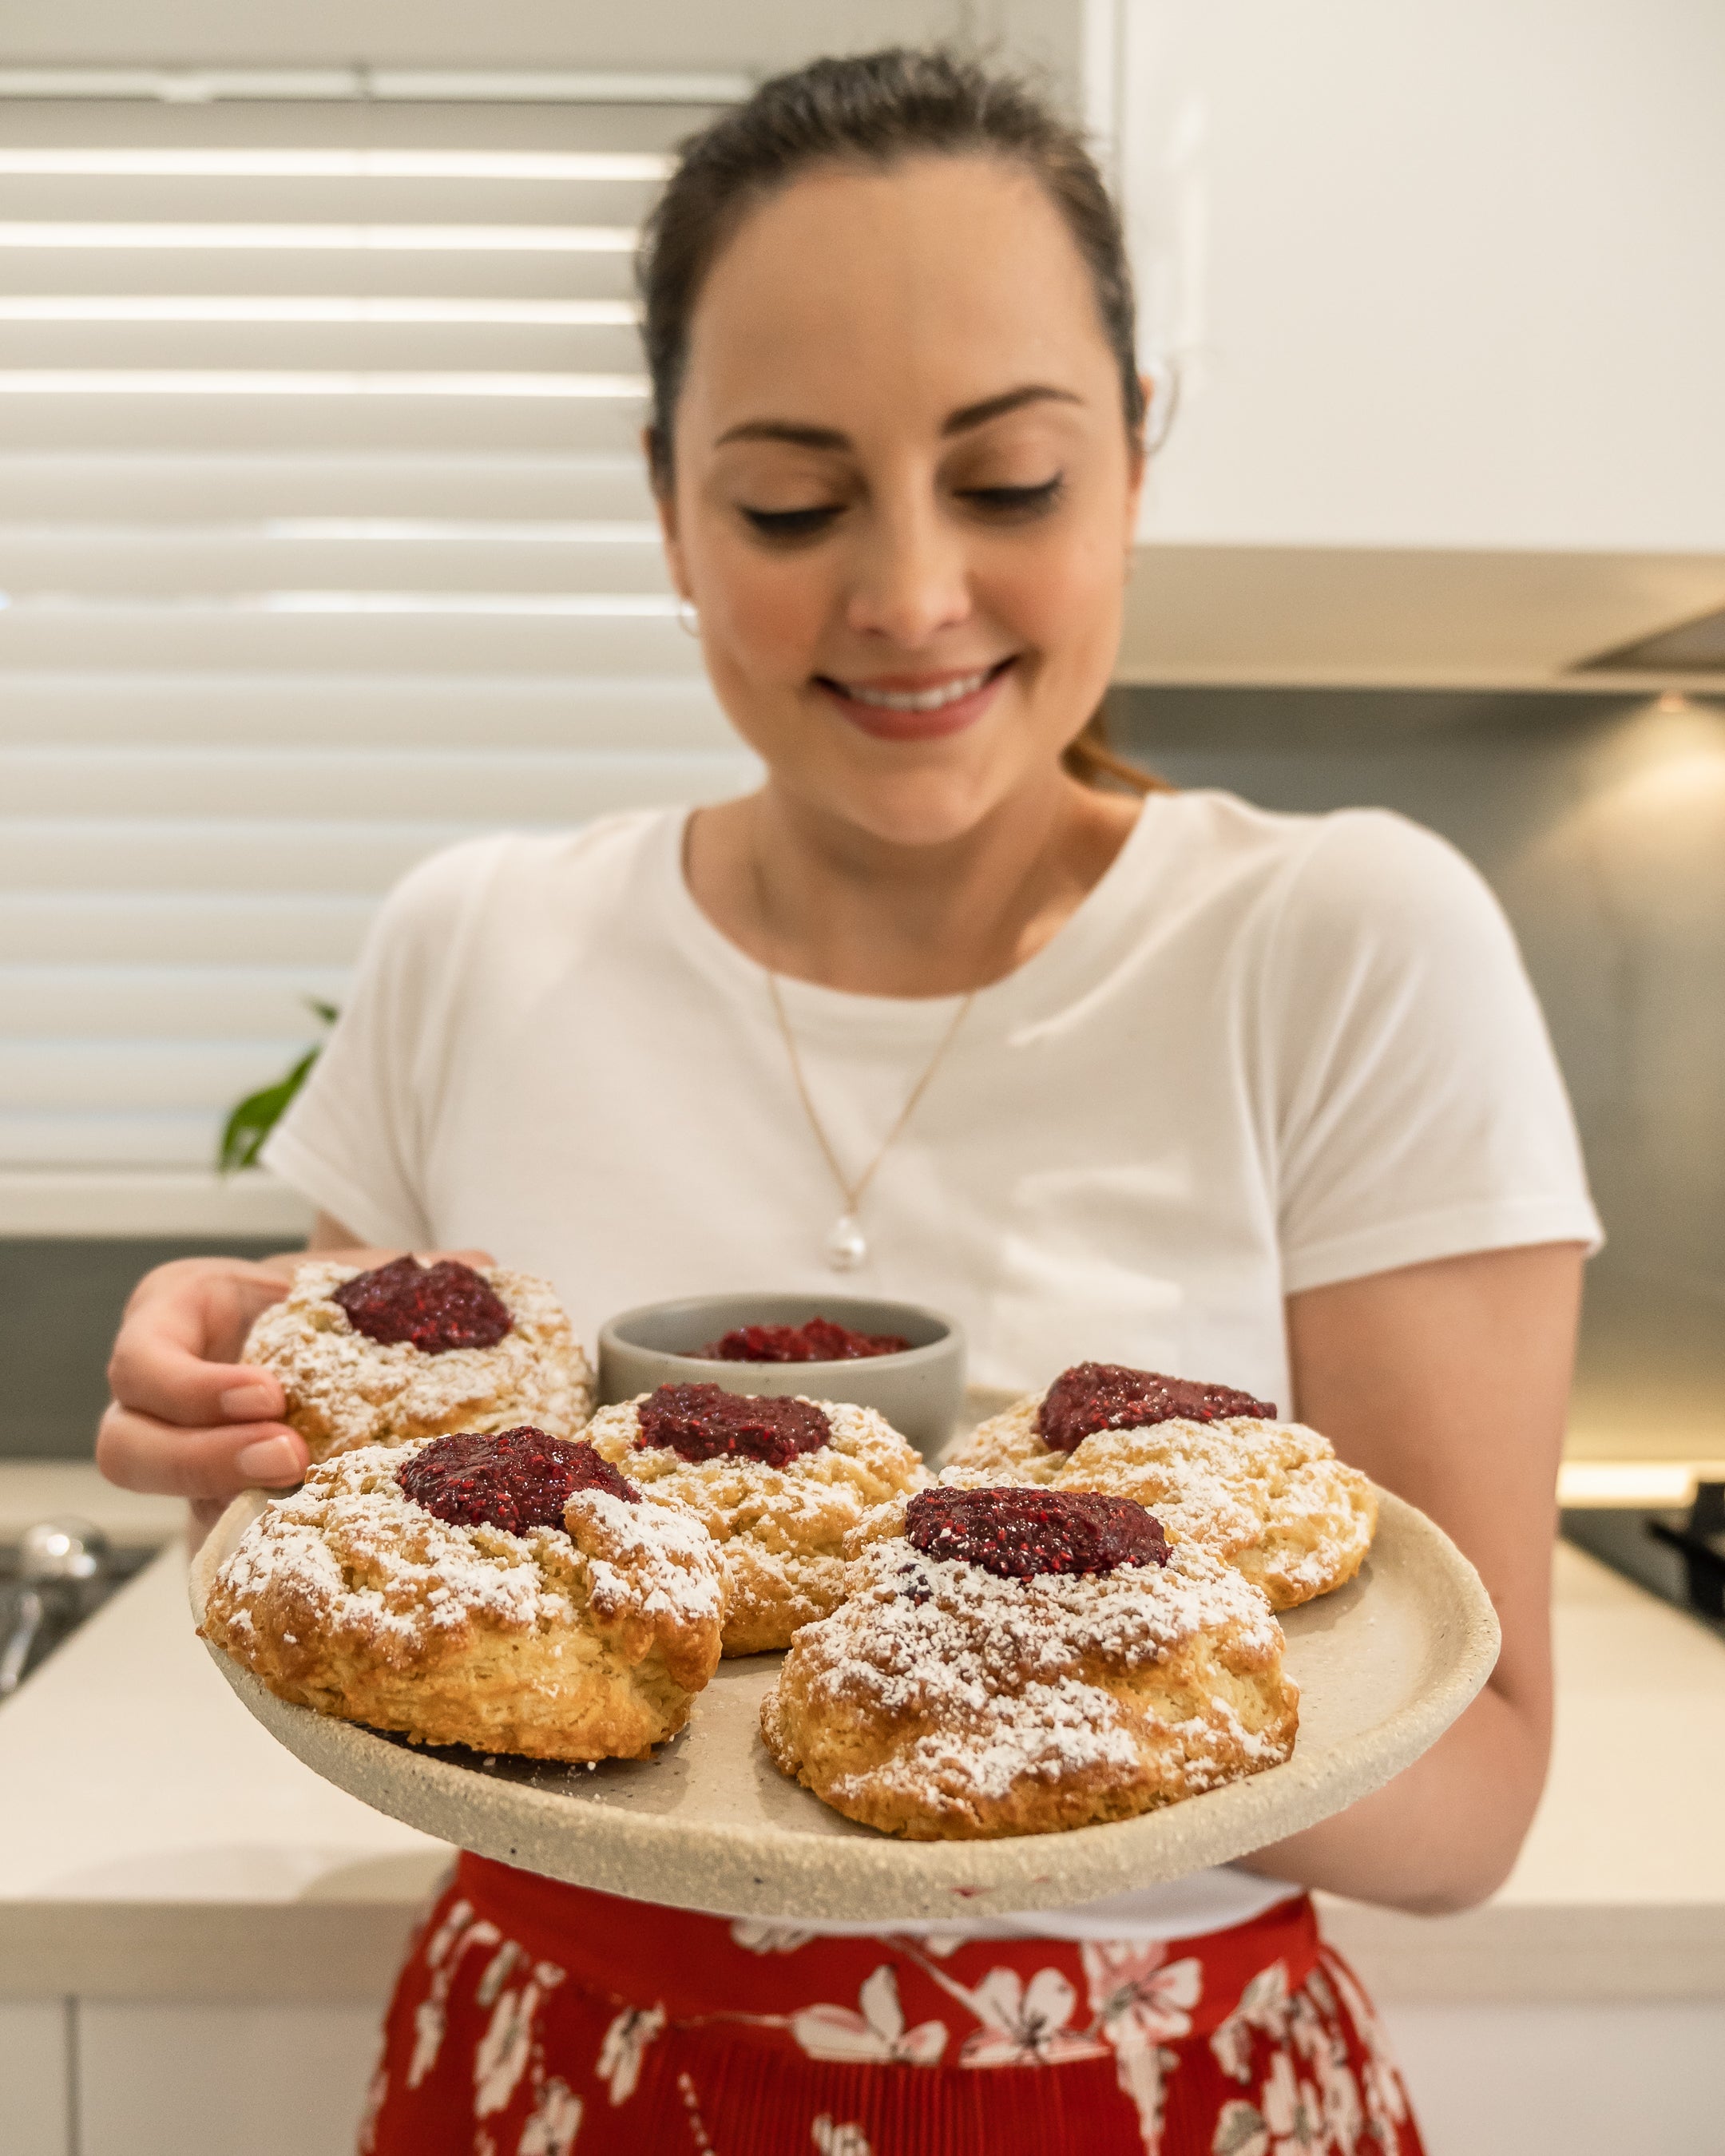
(876, 109)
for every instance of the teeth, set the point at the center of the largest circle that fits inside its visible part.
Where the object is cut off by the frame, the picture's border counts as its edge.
(919, 700)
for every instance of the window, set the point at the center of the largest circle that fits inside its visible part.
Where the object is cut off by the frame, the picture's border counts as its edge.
(324, 541)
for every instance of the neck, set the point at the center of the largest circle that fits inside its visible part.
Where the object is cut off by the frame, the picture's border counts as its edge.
(811, 895)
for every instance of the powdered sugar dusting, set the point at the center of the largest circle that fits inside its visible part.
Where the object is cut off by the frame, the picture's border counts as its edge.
(782, 1530)
(344, 1389)
(365, 1568)
(1270, 1496)
(971, 1687)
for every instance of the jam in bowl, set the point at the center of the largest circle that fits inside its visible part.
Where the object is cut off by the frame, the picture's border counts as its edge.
(911, 1369)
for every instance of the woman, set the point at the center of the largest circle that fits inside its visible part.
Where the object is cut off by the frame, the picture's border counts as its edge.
(1113, 1071)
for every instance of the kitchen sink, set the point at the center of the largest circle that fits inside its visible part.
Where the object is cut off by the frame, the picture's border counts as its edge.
(56, 1574)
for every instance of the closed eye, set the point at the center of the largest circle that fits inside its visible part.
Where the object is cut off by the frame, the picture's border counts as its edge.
(1013, 501)
(791, 523)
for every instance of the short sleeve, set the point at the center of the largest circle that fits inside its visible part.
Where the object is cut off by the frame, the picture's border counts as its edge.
(354, 1141)
(1417, 1106)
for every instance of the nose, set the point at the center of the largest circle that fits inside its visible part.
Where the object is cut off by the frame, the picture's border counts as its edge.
(911, 579)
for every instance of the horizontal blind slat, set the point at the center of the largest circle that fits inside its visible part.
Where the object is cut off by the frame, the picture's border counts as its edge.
(645, 715)
(326, 542)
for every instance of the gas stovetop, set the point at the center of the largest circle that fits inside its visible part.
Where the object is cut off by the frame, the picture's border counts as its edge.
(1679, 1556)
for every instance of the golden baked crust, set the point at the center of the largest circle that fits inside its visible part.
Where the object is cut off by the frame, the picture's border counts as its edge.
(941, 1702)
(347, 1597)
(781, 1529)
(1270, 1497)
(345, 1390)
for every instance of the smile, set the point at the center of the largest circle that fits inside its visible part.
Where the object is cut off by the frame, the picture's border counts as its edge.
(909, 711)
(917, 699)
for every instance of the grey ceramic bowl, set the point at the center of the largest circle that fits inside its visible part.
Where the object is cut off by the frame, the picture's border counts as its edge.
(919, 1392)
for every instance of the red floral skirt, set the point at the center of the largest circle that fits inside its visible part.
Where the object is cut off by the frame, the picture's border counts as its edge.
(533, 2018)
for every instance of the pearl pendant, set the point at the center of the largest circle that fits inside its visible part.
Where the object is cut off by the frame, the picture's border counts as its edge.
(847, 1247)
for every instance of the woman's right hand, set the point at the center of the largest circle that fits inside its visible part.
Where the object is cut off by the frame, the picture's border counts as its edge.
(187, 1419)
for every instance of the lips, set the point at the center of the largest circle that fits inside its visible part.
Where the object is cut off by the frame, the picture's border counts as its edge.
(906, 708)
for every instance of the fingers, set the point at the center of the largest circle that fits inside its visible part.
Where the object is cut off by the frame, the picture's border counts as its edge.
(162, 1376)
(143, 1452)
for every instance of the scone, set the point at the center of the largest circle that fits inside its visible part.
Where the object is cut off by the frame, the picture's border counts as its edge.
(1023, 1660)
(506, 1590)
(1214, 1466)
(408, 1351)
(778, 1483)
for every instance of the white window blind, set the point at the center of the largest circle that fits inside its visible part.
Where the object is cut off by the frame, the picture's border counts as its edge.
(324, 541)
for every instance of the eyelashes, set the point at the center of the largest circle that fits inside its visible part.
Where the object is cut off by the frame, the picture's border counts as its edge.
(996, 505)
(1014, 502)
(790, 523)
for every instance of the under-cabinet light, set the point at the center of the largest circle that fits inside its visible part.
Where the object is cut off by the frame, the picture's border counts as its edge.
(1606, 1483)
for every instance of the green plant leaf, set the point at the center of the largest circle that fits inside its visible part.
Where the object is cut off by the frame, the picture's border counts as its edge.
(256, 1116)
(251, 1122)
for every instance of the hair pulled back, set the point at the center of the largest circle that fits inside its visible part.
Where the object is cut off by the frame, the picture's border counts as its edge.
(875, 109)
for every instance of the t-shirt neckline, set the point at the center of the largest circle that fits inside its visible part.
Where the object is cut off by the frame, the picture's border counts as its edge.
(1043, 978)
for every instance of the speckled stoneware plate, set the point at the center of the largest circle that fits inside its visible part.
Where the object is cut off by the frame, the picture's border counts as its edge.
(1385, 1665)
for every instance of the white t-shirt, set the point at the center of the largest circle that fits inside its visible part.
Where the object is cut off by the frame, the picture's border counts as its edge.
(1266, 1053)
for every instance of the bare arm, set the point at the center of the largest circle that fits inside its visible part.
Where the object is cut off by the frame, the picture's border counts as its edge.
(1448, 1383)
(187, 1418)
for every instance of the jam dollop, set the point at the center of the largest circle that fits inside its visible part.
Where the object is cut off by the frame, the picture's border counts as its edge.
(431, 1307)
(1093, 1396)
(821, 1340)
(705, 1422)
(513, 1478)
(1016, 1533)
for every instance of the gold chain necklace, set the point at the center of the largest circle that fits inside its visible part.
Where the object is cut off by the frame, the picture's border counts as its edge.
(846, 1246)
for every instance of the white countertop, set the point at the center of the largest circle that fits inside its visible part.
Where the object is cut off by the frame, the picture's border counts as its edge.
(154, 1842)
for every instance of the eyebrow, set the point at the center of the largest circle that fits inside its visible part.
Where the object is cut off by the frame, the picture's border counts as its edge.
(961, 422)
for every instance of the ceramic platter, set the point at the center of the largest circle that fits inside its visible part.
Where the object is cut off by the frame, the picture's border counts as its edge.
(1385, 1665)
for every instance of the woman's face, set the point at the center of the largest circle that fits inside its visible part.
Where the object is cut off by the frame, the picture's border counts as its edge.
(903, 492)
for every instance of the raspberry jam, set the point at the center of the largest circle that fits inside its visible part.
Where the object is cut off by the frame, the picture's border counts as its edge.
(513, 1478)
(431, 1307)
(1016, 1533)
(705, 1422)
(821, 1340)
(1093, 1396)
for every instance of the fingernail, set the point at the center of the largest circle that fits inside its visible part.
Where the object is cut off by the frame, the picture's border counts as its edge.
(270, 1459)
(255, 1403)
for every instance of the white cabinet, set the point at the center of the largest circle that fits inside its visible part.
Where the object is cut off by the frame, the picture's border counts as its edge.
(35, 2077)
(1432, 277)
(175, 2079)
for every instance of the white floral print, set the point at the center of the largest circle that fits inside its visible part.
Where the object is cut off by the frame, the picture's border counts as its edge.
(507, 2045)
(504, 2050)
(760, 1935)
(1386, 2106)
(456, 1933)
(1024, 2024)
(554, 2122)
(626, 2041)
(833, 2140)
(877, 2033)
(1263, 2006)
(1141, 2000)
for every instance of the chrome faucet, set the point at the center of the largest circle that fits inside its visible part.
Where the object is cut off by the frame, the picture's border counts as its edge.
(56, 1558)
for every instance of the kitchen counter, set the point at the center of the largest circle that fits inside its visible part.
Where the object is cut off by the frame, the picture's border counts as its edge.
(159, 1844)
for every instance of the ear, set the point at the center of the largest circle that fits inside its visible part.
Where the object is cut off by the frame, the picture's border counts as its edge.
(1147, 430)
(665, 504)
